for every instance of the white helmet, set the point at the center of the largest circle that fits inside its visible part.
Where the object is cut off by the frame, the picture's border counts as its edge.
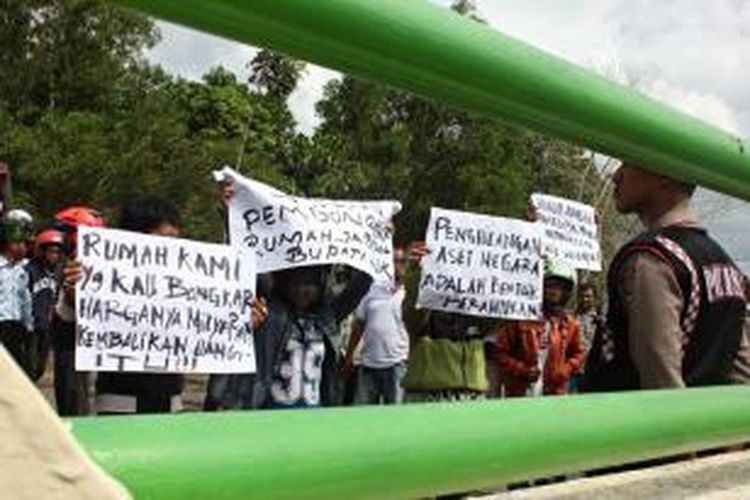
(560, 270)
(19, 216)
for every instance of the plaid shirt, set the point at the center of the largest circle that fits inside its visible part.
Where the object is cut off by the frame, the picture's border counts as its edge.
(15, 295)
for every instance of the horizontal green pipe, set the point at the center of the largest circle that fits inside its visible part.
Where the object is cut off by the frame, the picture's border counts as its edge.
(410, 451)
(426, 49)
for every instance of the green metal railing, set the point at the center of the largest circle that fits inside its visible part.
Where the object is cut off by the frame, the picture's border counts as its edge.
(410, 451)
(426, 49)
(419, 450)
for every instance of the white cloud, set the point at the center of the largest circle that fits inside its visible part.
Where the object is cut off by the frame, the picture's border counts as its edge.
(692, 54)
(302, 101)
(702, 105)
(701, 46)
(691, 51)
(190, 54)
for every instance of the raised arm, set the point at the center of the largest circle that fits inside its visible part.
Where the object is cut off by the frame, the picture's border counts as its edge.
(347, 300)
(416, 320)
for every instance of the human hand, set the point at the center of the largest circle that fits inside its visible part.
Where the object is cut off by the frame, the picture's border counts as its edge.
(418, 251)
(531, 213)
(227, 191)
(72, 274)
(348, 366)
(259, 313)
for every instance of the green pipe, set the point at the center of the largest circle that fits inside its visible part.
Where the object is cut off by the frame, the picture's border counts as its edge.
(429, 50)
(409, 451)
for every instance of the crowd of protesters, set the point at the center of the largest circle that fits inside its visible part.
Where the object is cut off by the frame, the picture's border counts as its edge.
(329, 336)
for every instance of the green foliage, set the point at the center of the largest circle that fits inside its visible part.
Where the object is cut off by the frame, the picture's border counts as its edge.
(67, 54)
(84, 119)
(383, 143)
(275, 75)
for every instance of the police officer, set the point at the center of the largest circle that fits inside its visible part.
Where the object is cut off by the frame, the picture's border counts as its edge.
(675, 298)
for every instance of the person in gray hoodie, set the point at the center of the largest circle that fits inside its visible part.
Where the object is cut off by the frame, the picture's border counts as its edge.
(298, 346)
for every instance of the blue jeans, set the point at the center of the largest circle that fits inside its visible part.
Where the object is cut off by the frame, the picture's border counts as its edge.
(380, 385)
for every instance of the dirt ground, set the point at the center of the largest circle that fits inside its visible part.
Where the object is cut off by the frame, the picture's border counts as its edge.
(195, 389)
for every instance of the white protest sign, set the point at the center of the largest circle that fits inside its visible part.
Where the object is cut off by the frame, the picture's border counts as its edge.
(570, 231)
(482, 265)
(286, 231)
(156, 304)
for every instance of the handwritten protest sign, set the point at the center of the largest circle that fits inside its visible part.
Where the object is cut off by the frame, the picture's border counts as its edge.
(286, 231)
(155, 304)
(570, 231)
(482, 265)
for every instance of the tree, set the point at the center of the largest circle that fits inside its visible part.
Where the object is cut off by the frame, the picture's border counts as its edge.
(275, 75)
(125, 127)
(388, 143)
(67, 54)
(91, 122)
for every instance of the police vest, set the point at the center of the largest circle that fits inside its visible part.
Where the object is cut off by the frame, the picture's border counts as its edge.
(711, 317)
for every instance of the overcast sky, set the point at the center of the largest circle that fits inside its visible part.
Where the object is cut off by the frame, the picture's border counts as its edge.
(692, 54)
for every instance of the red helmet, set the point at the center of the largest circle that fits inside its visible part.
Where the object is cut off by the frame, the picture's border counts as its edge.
(72, 217)
(69, 219)
(50, 237)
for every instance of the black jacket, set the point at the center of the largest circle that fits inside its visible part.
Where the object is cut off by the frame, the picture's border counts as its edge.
(712, 314)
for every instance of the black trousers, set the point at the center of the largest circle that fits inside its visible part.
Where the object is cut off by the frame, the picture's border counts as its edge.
(15, 338)
(38, 349)
(146, 404)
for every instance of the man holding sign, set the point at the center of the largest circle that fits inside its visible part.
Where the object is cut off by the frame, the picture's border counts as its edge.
(150, 308)
(571, 232)
(446, 358)
(475, 268)
(482, 266)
